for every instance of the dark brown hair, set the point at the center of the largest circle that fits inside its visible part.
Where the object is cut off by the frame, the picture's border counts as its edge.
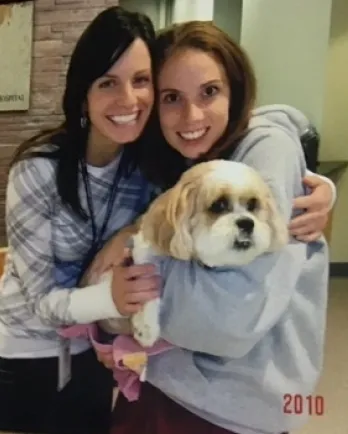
(102, 43)
(162, 164)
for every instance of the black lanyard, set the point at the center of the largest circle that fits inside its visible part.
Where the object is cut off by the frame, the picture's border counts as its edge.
(98, 235)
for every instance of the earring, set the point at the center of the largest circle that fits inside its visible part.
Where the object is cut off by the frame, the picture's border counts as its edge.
(83, 122)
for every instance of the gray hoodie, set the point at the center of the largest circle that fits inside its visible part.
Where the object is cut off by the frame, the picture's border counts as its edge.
(250, 336)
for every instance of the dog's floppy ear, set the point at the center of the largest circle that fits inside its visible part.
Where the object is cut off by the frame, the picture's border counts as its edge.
(278, 225)
(167, 222)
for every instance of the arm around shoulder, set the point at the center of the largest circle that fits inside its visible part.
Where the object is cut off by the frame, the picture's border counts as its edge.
(329, 182)
(29, 211)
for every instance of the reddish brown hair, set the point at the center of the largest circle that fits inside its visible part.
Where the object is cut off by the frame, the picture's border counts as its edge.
(209, 38)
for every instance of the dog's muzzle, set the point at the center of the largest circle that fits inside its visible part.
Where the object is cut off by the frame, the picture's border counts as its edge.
(244, 239)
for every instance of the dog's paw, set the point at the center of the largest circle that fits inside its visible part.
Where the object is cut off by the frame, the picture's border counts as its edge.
(146, 334)
(146, 328)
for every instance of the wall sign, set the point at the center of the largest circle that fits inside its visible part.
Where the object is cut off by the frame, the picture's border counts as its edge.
(16, 37)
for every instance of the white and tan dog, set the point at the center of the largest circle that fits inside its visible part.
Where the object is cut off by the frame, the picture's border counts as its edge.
(220, 213)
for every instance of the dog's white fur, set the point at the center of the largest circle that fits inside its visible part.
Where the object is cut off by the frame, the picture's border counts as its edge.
(220, 213)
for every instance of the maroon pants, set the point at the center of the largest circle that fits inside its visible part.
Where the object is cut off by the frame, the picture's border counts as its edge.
(155, 413)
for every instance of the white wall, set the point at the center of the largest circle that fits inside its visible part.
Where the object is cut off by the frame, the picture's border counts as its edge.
(155, 9)
(335, 122)
(228, 16)
(287, 41)
(187, 10)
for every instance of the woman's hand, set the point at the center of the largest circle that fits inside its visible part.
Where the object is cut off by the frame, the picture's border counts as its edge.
(309, 226)
(134, 285)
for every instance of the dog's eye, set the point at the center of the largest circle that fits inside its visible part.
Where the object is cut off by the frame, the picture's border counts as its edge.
(220, 205)
(252, 204)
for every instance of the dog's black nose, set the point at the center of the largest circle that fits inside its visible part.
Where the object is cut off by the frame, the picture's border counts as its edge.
(245, 224)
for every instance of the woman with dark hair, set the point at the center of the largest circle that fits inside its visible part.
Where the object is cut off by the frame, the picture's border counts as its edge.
(63, 187)
(245, 338)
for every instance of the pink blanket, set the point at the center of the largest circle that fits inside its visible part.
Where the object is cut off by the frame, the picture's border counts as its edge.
(128, 381)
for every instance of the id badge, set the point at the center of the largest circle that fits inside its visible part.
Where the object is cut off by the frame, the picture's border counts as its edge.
(64, 363)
